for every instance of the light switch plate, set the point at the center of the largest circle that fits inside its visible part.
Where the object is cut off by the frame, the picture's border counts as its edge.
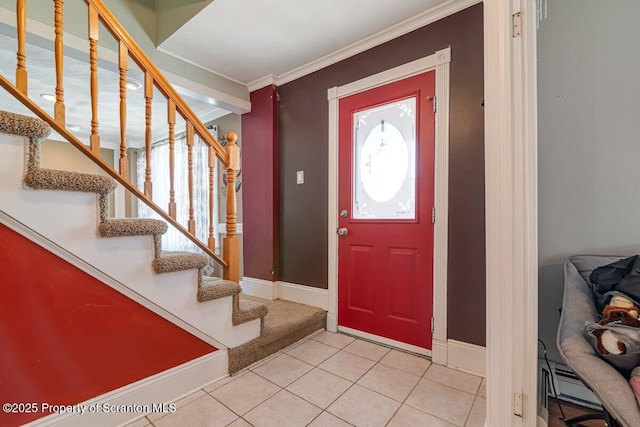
(300, 177)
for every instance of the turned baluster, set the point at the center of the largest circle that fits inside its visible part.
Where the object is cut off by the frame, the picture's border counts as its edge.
(148, 98)
(212, 166)
(192, 222)
(21, 69)
(93, 64)
(231, 251)
(172, 157)
(59, 109)
(124, 162)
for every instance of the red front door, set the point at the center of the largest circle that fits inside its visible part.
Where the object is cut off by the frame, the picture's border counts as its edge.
(385, 202)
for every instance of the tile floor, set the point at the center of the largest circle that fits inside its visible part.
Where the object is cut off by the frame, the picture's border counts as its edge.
(334, 380)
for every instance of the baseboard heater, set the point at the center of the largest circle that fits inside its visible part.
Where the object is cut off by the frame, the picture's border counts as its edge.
(568, 386)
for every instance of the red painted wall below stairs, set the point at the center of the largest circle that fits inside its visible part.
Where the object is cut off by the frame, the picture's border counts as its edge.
(66, 337)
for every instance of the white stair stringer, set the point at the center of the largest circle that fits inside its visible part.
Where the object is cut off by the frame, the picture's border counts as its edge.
(69, 219)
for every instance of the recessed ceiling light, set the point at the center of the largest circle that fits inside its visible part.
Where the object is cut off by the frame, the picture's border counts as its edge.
(73, 127)
(133, 85)
(48, 97)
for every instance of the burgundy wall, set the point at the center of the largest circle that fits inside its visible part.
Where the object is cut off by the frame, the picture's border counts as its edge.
(303, 111)
(66, 337)
(260, 186)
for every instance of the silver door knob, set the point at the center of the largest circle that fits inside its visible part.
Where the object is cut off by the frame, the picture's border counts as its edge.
(343, 231)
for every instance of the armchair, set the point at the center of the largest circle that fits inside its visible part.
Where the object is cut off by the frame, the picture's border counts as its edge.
(608, 384)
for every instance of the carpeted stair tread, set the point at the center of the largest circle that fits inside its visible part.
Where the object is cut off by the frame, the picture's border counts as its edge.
(248, 311)
(214, 288)
(178, 261)
(17, 124)
(285, 323)
(51, 179)
(131, 227)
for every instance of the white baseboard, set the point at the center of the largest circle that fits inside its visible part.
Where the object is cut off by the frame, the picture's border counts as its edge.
(286, 291)
(258, 288)
(467, 357)
(385, 341)
(303, 294)
(332, 322)
(439, 351)
(165, 387)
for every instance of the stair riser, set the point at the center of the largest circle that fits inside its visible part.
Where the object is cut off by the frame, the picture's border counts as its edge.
(70, 219)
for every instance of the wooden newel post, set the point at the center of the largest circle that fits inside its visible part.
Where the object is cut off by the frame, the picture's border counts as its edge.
(231, 243)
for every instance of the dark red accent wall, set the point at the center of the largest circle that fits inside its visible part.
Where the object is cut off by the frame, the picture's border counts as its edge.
(303, 116)
(66, 337)
(260, 188)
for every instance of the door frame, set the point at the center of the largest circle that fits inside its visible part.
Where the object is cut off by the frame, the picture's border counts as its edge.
(438, 62)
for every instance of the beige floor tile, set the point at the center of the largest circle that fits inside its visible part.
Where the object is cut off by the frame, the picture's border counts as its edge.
(407, 362)
(389, 381)
(282, 410)
(179, 404)
(411, 417)
(334, 340)
(347, 365)
(454, 378)
(240, 423)
(245, 392)
(203, 412)
(478, 413)
(326, 419)
(366, 349)
(141, 422)
(444, 402)
(283, 370)
(222, 382)
(312, 352)
(482, 391)
(363, 407)
(319, 387)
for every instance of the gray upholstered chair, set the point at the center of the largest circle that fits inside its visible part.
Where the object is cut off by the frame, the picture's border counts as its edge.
(606, 382)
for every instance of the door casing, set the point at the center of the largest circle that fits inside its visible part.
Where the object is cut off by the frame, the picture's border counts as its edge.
(439, 61)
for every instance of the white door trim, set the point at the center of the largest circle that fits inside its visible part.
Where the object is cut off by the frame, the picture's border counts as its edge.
(439, 61)
(511, 211)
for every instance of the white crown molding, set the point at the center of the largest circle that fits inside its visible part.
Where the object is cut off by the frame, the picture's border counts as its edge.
(262, 82)
(165, 387)
(425, 18)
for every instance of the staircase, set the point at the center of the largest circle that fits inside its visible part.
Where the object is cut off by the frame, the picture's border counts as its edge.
(71, 209)
(37, 211)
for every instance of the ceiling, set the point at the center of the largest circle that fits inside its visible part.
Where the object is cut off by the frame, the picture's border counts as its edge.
(248, 40)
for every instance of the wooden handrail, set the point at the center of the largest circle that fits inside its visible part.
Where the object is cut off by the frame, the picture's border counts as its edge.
(137, 54)
(128, 48)
(62, 131)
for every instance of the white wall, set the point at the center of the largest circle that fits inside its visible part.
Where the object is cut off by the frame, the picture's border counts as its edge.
(588, 140)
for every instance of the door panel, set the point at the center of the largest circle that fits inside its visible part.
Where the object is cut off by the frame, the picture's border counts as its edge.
(385, 254)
